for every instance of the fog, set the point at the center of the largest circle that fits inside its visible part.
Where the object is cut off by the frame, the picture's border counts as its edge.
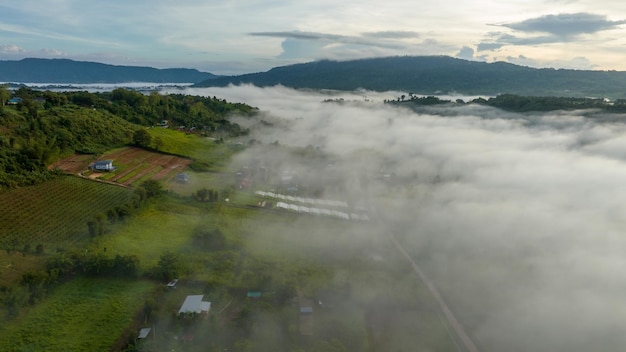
(519, 220)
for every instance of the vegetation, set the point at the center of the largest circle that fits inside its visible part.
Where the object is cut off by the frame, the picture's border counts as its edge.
(518, 103)
(45, 126)
(71, 72)
(85, 314)
(430, 75)
(56, 213)
(103, 268)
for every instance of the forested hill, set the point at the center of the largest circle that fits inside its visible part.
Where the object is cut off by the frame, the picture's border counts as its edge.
(436, 75)
(43, 127)
(69, 71)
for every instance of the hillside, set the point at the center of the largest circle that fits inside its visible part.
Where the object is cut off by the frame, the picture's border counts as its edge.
(437, 75)
(45, 126)
(69, 71)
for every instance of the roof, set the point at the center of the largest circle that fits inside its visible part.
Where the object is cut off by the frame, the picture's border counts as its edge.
(103, 162)
(305, 310)
(205, 306)
(254, 294)
(192, 304)
(143, 333)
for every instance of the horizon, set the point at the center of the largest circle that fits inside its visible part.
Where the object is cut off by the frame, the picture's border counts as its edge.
(248, 36)
(245, 73)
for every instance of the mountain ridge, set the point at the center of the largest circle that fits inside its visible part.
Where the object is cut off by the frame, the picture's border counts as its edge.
(436, 75)
(36, 70)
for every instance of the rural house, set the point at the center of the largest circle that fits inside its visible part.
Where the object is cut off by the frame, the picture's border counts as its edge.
(102, 165)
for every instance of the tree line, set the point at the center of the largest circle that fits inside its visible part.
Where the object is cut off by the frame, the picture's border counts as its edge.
(519, 103)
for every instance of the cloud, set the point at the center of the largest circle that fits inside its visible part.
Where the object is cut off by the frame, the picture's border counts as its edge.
(11, 49)
(549, 29)
(517, 218)
(392, 34)
(314, 45)
(14, 52)
(370, 40)
(577, 63)
(488, 46)
(565, 25)
(466, 53)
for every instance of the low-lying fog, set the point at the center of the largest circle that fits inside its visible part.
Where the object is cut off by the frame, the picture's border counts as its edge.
(518, 219)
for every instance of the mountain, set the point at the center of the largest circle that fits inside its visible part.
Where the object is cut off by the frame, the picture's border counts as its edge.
(70, 71)
(436, 75)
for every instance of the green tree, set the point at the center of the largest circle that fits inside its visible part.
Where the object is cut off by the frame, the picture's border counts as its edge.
(142, 138)
(169, 266)
(153, 188)
(5, 95)
(158, 143)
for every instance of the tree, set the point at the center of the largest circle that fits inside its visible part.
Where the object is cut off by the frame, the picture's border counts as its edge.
(168, 267)
(158, 143)
(153, 188)
(5, 95)
(142, 138)
(202, 194)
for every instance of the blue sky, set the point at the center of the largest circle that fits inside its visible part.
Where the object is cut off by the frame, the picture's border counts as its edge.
(241, 36)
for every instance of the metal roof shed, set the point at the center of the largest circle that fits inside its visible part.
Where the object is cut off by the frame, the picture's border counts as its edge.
(144, 332)
(192, 304)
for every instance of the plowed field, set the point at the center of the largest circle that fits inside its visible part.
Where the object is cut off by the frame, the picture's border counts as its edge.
(133, 164)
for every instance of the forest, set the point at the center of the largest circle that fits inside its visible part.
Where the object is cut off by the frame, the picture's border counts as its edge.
(435, 75)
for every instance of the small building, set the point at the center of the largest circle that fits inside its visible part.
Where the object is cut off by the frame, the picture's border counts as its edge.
(254, 294)
(182, 178)
(14, 101)
(193, 305)
(144, 333)
(102, 165)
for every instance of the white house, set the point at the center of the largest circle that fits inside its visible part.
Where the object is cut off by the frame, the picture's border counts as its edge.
(102, 165)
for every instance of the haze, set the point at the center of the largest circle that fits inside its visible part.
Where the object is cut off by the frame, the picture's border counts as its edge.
(518, 219)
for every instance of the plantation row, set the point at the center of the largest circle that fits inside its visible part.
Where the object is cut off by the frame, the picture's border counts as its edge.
(54, 212)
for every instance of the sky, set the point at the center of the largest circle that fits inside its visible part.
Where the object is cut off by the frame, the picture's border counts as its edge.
(518, 219)
(243, 36)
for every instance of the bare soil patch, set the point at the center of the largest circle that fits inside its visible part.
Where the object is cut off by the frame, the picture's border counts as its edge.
(132, 161)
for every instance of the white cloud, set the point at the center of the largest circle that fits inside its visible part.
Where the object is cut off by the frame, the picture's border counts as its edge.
(218, 31)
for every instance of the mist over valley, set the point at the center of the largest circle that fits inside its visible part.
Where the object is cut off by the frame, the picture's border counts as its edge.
(517, 218)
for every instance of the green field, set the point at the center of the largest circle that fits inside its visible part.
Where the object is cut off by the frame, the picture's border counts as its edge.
(81, 315)
(54, 213)
(202, 149)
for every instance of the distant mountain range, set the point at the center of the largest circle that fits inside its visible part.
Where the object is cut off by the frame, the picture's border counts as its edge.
(424, 75)
(436, 75)
(66, 71)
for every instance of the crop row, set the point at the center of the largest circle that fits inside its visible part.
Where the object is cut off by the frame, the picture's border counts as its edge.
(55, 211)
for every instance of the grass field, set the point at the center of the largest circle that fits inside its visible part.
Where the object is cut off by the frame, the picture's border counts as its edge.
(150, 233)
(81, 315)
(201, 149)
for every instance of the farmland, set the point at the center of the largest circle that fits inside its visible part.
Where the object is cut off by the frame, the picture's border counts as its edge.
(133, 166)
(82, 315)
(54, 213)
(223, 249)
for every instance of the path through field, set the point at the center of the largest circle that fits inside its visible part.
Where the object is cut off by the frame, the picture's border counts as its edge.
(458, 328)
